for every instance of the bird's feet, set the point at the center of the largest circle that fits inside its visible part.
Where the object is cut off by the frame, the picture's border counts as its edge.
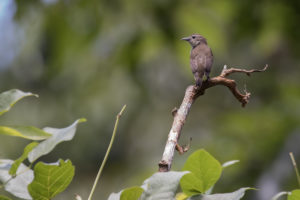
(207, 79)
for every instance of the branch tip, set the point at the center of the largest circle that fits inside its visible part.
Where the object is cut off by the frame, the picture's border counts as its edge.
(163, 166)
(121, 112)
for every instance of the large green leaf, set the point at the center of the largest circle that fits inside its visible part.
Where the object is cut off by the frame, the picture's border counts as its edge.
(4, 198)
(9, 98)
(27, 132)
(132, 193)
(191, 185)
(295, 195)
(236, 195)
(224, 165)
(58, 136)
(50, 179)
(203, 167)
(161, 185)
(16, 185)
(16, 164)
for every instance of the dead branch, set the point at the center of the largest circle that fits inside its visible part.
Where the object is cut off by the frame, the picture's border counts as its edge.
(226, 71)
(191, 94)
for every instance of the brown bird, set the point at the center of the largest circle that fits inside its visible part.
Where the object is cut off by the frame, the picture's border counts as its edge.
(201, 58)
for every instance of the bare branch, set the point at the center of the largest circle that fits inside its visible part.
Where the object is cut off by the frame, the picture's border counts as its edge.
(227, 72)
(191, 94)
(179, 120)
(219, 80)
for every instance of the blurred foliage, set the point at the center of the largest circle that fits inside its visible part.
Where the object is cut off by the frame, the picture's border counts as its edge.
(88, 58)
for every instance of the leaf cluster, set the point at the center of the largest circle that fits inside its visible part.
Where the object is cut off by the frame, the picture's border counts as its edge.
(38, 181)
(196, 181)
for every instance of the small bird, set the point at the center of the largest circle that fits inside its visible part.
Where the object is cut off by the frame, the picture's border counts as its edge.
(201, 58)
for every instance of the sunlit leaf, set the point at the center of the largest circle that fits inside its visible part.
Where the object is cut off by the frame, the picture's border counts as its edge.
(17, 185)
(9, 98)
(50, 179)
(191, 185)
(161, 185)
(203, 167)
(132, 193)
(58, 136)
(16, 164)
(224, 165)
(27, 132)
(295, 195)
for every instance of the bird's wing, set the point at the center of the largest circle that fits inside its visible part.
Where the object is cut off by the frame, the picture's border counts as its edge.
(209, 61)
(200, 61)
(194, 64)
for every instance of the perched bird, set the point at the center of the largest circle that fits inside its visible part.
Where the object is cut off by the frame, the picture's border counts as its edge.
(201, 58)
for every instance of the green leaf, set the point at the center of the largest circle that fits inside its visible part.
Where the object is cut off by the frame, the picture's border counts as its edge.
(4, 198)
(161, 185)
(58, 136)
(295, 195)
(132, 193)
(9, 98)
(50, 179)
(16, 185)
(204, 167)
(224, 165)
(27, 132)
(236, 195)
(16, 164)
(191, 185)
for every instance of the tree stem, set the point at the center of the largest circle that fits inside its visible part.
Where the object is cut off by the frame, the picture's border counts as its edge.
(107, 152)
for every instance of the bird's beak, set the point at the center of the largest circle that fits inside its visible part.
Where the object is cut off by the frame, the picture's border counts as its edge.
(186, 38)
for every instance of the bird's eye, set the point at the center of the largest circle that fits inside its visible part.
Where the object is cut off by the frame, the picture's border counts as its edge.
(193, 37)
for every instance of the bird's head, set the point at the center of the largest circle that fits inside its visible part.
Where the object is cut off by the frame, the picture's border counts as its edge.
(195, 40)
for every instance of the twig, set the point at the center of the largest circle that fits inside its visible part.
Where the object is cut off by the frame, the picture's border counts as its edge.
(295, 167)
(191, 94)
(226, 71)
(184, 148)
(107, 152)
